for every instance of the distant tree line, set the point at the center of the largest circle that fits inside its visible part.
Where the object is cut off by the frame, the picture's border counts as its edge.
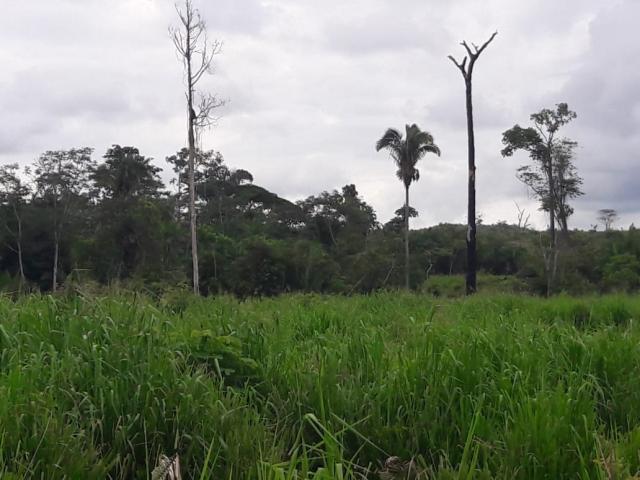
(69, 220)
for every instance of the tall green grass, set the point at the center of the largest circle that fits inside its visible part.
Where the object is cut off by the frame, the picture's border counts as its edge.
(301, 387)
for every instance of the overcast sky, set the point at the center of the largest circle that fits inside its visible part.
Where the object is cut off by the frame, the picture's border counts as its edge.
(313, 84)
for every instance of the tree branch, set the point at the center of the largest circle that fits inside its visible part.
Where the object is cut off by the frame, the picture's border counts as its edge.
(471, 56)
(466, 47)
(485, 44)
(461, 66)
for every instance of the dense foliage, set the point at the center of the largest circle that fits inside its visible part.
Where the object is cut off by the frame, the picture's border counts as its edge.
(114, 222)
(320, 387)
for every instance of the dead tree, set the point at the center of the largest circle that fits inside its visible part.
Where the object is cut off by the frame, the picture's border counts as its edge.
(607, 217)
(523, 222)
(196, 53)
(466, 68)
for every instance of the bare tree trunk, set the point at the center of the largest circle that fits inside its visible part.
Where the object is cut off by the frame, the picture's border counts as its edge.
(386, 278)
(307, 270)
(467, 73)
(553, 260)
(472, 257)
(56, 252)
(23, 278)
(56, 238)
(191, 170)
(406, 237)
(197, 57)
(192, 210)
(333, 238)
(220, 210)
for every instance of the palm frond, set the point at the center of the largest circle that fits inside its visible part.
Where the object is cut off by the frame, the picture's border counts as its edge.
(408, 150)
(417, 138)
(428, 148)
(392, 139)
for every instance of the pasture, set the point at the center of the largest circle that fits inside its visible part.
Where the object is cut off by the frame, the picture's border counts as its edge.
(322, 387)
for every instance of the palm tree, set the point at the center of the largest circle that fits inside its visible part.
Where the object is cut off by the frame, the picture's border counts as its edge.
(405, 153)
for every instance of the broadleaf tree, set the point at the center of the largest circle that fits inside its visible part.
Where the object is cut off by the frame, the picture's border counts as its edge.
(62, 183)
(552, 177)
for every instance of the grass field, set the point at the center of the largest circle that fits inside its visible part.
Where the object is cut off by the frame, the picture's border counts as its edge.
(317, 387)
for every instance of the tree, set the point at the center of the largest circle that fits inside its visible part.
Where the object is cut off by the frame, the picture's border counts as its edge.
(396, 224)
(133, 218)
(125, 174)
(13, 193)
(607, 216)
(62, 181)
(467, 73)
(566, 184)
(340, 220)
(622, 273)
(196, 53)
(552, 177)
(523, 221)
(405, 152)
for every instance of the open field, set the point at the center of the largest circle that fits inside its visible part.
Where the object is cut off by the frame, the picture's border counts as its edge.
(320, 387)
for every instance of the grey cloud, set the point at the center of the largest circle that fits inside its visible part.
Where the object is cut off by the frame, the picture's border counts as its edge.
(603, 89)
(313, 85)
(383, 27)
(245, 17)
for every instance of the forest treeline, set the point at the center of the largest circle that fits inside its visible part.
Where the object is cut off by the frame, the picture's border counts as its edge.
(70, 220)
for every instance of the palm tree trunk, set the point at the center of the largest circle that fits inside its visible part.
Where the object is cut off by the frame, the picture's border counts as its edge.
(406, 237)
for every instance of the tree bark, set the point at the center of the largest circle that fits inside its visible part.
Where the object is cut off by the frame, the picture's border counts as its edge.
(406, 237)
(56, 236)
(467, 74)
(56, 251)
(191, 171)
(23, 279)
(472, 258)
(553, 260)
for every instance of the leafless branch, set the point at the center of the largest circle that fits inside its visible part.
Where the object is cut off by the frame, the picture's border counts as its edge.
(207, 103)
(472, 56)
(466, 47)
(523, 222)
(461, 66)
(485, 44)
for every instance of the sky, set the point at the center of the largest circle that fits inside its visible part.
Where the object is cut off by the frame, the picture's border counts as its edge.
(311, 85)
